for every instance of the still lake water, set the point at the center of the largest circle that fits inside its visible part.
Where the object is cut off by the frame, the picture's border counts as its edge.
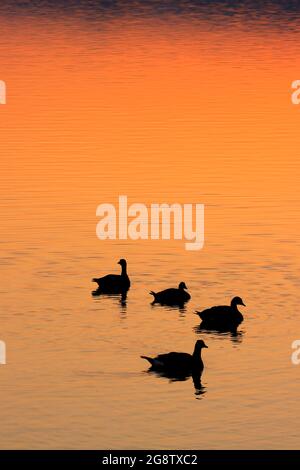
(179, 104)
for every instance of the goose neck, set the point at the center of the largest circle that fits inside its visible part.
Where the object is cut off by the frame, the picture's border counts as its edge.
(124, 270)
(197, 354)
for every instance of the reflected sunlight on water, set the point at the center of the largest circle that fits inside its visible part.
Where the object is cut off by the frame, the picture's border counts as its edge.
(184, 105)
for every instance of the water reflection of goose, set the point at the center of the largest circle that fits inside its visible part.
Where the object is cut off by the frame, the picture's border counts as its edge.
(172, 296)
(174, 376)
(172, 308)
(114, 283)
(122, 298)
(232, 333)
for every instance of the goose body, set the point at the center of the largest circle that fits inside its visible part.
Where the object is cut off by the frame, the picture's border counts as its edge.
(223, 315)
(172, 296)
(178, 361)
(114, 283)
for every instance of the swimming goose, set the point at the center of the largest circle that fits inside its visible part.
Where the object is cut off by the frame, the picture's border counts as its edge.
(178, 361)
(114, 283)
(223, 315)
(171, 296)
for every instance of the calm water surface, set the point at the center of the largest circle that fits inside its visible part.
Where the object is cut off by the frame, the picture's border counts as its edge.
(180, 104)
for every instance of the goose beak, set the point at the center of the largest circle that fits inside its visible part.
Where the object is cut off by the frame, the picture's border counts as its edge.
(204, 345)
(119, 262)
(243, 304)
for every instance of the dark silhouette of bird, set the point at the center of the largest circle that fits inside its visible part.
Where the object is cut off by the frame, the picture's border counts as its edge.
(179, 363)
(114, 283)
(172, 296)
(222, 316)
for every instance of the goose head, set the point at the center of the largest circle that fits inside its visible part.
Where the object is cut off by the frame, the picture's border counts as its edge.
(200, 344)
(182, 286)
(237, 301)
(122, 262)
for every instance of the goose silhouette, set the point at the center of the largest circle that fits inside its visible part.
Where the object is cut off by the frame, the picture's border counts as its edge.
(179, 363)
(114, 283)
(222, 316)
(171, 296)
